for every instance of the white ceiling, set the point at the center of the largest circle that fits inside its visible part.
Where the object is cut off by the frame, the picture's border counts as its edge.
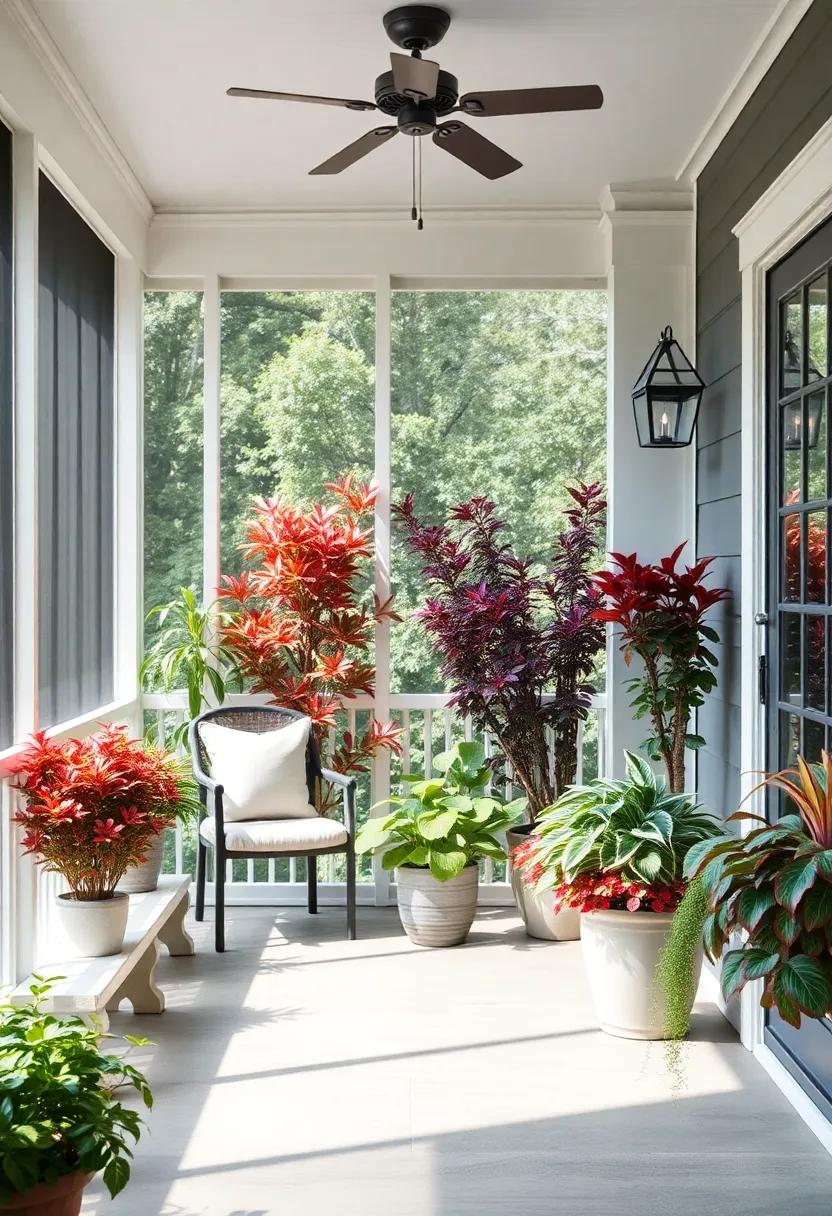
(156, 72)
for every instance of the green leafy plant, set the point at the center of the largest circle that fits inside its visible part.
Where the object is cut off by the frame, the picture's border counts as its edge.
(617, 843)
(443, 823)
(58, 1115)
(677, 975)
(775, 884)
(188, 652)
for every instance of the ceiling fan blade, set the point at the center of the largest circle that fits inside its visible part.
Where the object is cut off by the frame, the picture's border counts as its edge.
(475, 150)
(416, 78)
(354, 151)
(317, 101)
(532, 101)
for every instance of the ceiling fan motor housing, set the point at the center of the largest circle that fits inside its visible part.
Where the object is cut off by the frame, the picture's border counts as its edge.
(416, 27)
(392, 103)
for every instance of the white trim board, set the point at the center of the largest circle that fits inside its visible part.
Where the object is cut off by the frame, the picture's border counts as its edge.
(44, 47)
(780, 27)
(794, 204)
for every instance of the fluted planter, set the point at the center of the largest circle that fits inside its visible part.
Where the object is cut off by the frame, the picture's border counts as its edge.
(61, 1198)
(145, 877)
(435, 913)
(621, 950)
(538, 911)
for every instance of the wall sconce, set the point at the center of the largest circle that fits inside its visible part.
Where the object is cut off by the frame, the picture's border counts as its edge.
(666, 396)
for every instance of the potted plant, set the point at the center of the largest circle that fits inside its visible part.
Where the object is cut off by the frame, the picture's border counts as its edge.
(297, 625)
(518, 648)
(186, 653)
(774, 886)
(59, 1120)
(615, 851)
(434, 838)
(660, 610)
(91, 808)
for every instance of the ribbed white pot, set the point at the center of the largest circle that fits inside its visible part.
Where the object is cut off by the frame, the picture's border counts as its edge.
(620, 952)
(145, 877)
(435, 913)
(94, 927)
(538, 911)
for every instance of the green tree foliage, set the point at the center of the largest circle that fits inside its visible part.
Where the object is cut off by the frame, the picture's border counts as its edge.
(499, 393)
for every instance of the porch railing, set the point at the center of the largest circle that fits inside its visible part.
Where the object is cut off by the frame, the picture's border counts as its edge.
(429, 726)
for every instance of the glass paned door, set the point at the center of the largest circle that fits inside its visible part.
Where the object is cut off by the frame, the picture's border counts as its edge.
(800, 604)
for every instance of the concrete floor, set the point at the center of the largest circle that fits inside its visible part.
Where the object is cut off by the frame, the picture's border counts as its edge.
(303, 1075)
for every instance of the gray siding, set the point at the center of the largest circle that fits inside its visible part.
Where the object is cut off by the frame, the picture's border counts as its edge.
(791, 103)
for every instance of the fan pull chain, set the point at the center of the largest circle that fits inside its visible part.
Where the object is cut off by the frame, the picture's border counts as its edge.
(420, 225)
(413, 211)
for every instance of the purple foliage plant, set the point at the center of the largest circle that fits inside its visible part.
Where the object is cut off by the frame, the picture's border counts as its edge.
(507, 635)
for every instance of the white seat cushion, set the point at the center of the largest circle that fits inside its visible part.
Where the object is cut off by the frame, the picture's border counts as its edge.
(263, 775)
(277, 835)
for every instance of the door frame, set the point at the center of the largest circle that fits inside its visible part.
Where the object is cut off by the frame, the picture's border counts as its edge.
(797, 202)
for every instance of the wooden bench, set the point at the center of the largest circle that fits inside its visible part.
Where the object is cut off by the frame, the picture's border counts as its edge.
(93, 986)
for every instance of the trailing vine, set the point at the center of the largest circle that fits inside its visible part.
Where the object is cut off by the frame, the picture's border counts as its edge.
(677, 973)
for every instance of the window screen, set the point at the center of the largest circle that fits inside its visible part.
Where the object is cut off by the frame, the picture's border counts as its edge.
(76, 458)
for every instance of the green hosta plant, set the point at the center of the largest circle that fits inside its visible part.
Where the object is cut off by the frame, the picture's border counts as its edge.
(775, 884)
(634, 829)
(58, 1115)
(443, 823)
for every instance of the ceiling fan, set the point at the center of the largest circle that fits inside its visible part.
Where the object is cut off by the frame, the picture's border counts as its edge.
(417, 92)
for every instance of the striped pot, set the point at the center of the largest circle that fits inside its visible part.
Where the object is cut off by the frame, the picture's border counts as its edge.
(435, 913)
(145, 877)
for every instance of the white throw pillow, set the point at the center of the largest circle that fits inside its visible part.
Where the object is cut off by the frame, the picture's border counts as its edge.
(263, 775)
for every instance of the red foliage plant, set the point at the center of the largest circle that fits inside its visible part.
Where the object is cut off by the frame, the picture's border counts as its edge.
(599, 892)
(660, 610)
(299, 628)
(93, 805)
(507, 636)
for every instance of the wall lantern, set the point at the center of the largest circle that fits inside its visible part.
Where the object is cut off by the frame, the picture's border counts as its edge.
(793, 412)
(666, 396)
(793, 423)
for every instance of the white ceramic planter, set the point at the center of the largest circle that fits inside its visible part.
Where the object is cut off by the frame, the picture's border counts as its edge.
(436, 913)
(145, 877)
(94, 927)
(538, 911)
(620, 952)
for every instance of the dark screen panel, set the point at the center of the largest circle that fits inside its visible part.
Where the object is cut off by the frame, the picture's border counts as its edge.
(76, 462)
(6, 445)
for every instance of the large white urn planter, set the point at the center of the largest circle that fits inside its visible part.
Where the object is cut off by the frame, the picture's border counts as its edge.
(538, 911)
(620, 952)
(145, 877)
(435, 913)
(94, 927)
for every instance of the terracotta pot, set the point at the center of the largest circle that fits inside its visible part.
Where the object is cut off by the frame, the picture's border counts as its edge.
(435, 913)
(538, 912)
(620, 952)
(94, 927)
(61, 1198)
(145, 877)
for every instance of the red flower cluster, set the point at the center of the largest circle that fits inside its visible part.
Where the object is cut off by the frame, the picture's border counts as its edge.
(93, 805)
(298, 628)
(594, 892)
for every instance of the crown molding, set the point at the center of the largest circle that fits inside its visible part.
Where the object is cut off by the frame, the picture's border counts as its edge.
(635, 198)
(46, 51)
(195, 217)
(776, 33)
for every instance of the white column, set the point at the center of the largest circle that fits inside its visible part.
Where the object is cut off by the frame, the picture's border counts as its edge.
(24, 907)
(381, 761)
(211, 438)
(651, 284)
(129, 483)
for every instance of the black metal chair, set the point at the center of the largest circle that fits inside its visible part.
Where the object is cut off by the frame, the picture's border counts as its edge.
(212, 833)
